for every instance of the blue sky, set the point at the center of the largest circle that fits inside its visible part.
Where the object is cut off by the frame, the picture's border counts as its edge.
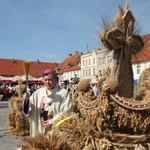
(49, 30)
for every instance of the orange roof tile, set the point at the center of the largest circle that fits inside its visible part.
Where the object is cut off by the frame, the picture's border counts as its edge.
(70, 63)
(12, 67)
(144, 54)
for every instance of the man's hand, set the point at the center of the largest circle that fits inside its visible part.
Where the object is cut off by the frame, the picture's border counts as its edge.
(47, 125)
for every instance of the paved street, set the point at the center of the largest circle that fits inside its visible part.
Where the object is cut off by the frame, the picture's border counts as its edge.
(7, 141)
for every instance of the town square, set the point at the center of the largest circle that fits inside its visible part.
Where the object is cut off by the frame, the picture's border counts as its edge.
(95, 99)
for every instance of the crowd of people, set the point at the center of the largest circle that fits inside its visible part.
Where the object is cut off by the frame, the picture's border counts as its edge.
(9, 90)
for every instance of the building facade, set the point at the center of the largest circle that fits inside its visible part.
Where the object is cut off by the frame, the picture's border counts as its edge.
(95, 62)
(89, 64)
(105, 60)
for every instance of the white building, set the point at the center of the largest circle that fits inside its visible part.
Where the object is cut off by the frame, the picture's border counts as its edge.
(89, 64)
(105, 60)
(93, 63)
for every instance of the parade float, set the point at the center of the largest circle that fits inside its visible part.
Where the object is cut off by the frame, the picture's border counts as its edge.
(116, 119)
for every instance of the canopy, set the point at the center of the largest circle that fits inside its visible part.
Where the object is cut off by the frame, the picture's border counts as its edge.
(5, 79)
(17, 78)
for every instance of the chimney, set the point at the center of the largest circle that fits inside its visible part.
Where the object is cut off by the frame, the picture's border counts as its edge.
(76, 52)
(38, 60)
(69, 55)
(87, 51)
(13, 60)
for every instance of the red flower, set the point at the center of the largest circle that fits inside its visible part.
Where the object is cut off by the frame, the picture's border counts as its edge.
(9, 115)
(17, 117)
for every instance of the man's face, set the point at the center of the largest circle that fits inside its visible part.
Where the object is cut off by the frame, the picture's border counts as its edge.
(49, 81)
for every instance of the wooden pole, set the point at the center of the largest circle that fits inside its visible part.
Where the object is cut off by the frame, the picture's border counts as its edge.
(26, 66)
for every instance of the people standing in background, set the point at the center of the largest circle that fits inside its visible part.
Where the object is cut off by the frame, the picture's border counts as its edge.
(10, 90)
(6, 92)
(95, 89)
(13, 90)
(28, 89)
(1, 93)
(33, 89)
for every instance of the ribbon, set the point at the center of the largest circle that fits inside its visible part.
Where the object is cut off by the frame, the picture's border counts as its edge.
(60, 122)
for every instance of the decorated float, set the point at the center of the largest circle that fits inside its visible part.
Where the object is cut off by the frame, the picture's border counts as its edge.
(115, 120)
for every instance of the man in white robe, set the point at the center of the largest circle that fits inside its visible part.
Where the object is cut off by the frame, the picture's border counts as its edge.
(56, 100)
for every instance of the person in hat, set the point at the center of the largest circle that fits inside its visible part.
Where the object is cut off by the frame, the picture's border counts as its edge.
(50, 102)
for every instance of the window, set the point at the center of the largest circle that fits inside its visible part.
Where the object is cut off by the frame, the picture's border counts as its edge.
(79, 64)
(100, 73)
(93, 71)
(86, 63)
(109, 59)
(89, 72)
(86, 73)
(83, 73)
(83, 63)
(138, 69)
(89, 61)
(75, 75)
(93, 60)
(69, 65)
(99, 61)
(104, 60)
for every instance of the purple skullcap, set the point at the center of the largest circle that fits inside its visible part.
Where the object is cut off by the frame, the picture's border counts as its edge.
(48, 71)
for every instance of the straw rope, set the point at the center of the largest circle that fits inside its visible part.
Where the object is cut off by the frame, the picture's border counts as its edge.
(90, 105)
(126, 138)
(130, 105)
